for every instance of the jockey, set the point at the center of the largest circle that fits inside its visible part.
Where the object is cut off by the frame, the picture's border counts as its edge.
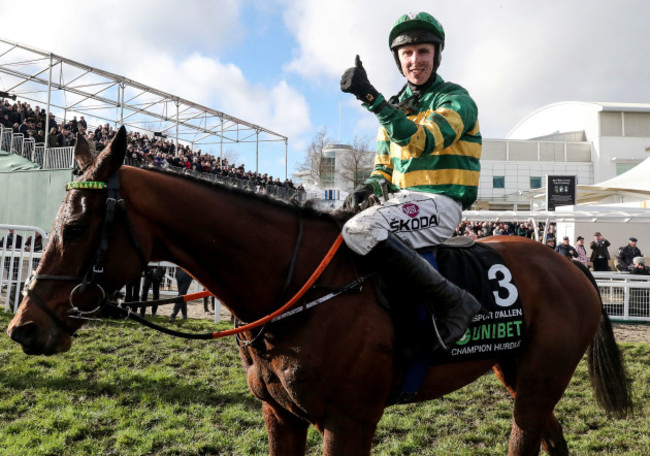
(428, 152)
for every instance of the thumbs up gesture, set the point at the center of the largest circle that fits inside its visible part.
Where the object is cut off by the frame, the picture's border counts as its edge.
(355, 81)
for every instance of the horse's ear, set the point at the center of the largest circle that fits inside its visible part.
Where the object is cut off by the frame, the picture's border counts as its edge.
(82, 154)
(112, 157)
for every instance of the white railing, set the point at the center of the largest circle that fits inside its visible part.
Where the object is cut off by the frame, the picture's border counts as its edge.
(625, 296)
(5, 138)
(52, 158)
(17, 141)
(18, 258)
(58, 158)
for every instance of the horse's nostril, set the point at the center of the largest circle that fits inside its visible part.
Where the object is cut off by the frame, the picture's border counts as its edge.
(24, 334)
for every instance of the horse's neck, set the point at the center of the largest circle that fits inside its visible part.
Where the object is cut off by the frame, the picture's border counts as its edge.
(236, 245)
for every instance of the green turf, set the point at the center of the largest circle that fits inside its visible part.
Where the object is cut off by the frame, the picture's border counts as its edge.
(126, 390)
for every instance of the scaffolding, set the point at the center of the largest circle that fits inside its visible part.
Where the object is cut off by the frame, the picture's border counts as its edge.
(56, 83)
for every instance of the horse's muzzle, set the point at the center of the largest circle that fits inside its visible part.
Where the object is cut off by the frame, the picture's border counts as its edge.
(27, 336)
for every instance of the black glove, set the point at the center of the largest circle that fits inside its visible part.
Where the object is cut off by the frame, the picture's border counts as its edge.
(355, 81)
(359, 198)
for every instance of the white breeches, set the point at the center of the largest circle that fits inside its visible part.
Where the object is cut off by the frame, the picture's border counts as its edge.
(419, 219)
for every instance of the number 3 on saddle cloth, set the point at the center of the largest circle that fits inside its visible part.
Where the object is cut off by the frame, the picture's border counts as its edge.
(478, 269)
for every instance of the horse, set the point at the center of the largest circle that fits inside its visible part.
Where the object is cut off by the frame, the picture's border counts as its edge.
(333, 366)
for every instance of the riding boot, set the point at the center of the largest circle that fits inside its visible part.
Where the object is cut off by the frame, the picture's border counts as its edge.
(454, 307)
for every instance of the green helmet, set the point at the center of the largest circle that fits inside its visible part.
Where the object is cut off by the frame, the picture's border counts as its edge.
(412, 28)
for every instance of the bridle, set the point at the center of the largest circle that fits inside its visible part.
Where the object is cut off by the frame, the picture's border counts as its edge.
(94, 276)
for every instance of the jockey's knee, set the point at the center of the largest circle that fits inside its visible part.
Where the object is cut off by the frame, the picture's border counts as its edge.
(362, 237)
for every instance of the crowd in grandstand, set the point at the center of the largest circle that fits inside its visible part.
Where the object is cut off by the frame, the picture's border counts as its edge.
(484, 229)
(30, 121)
(142, 149)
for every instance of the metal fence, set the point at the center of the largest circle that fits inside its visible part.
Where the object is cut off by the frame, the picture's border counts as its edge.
(19, 257)
(6, 135)
(51, 158)
(625, 296)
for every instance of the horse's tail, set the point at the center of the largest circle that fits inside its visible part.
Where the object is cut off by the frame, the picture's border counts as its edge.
(607, 371)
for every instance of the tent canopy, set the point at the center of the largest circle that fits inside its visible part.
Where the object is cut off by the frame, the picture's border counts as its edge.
(631, 186)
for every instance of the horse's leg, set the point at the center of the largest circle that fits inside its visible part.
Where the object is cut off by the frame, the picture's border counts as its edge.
(348, 437)
(552, 438)
(287, 433)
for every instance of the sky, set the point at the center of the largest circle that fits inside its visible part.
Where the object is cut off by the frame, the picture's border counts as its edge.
(278, 63)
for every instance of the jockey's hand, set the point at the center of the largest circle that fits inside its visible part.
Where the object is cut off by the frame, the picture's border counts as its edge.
(360, 198)
(355, 81)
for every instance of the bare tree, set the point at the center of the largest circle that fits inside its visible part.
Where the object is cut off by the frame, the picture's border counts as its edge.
(232, 156)
(356, 166)
(316, 162)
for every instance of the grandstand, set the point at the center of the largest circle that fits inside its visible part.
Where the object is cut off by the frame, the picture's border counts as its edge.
(68, 88)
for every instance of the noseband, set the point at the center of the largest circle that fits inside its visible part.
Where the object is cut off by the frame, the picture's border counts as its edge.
(94, 276)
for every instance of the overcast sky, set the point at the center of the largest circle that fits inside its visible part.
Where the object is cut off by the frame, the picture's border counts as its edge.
(277, 63)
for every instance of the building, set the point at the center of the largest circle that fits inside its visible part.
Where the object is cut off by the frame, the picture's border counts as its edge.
(592, 141)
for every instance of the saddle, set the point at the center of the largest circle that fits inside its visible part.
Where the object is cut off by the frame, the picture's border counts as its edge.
(477, 268)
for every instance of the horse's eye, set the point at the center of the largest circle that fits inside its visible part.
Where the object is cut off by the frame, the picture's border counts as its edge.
(72, 232)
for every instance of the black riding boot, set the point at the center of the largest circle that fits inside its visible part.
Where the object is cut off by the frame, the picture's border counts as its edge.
(454, 307)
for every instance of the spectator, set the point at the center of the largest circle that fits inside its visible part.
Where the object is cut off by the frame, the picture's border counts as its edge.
(5, 121)
(52, 122)
(153, 276)
(627, 254)
(23, 128)
(565, 249)
(639, 267)
(639, 299)
(600, 255)
(52, 138)
(183, 282)
(10, 241)
(133, 290)
(582, 252)
(38, 243)
(550, 242)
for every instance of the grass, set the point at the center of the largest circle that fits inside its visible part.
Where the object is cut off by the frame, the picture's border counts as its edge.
(127, 390)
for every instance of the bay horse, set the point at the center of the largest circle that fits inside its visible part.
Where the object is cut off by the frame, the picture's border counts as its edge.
(333, 366)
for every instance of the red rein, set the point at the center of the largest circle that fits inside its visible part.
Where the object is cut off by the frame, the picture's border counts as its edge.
(315, 275)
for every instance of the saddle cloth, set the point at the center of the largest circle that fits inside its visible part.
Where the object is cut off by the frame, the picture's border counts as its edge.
(480, 270)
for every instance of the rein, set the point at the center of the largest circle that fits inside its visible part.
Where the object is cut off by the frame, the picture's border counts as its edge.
(277, 314)
(94, 274)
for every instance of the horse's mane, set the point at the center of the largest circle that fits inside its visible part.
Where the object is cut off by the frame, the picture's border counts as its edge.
(305, 209)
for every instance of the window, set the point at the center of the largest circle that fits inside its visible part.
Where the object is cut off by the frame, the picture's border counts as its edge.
(498, 182)
(624, 167)
(535, 182)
